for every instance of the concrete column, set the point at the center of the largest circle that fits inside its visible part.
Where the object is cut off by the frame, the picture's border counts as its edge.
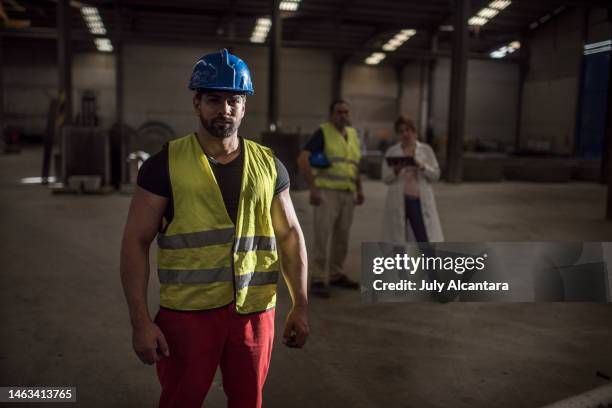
(274, 67)
(118, 46)
(337, 79)
(431, 67)
(64, 61)
(523, 71)
(456, 117)
(608, 136)
(2, 122)
(399, 75)
(120, 95)
(424, 98)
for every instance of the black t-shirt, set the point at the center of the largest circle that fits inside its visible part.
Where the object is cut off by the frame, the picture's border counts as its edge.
(316, 143)
(154, 176)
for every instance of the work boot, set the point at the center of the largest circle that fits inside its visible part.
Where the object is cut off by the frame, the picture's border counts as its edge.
(344, 282)
(319, 289)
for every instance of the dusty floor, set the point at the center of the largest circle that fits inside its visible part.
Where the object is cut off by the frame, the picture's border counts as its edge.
(64, 319)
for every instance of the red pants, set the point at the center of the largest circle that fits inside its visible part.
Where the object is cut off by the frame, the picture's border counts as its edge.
(201, 341)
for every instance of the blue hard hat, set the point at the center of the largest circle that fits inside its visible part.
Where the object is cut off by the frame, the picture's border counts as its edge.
(221, 71)
(319, 160)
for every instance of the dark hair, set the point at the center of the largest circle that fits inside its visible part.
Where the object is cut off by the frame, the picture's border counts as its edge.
(332, 105)
(402, 120)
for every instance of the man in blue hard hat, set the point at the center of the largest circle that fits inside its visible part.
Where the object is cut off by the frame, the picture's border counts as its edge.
(330, 165)
(219, 205)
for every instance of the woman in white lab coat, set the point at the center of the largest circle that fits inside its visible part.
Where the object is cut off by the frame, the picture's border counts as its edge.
(410, 208)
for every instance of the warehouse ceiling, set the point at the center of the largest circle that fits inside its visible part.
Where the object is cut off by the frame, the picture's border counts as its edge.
(352, 29)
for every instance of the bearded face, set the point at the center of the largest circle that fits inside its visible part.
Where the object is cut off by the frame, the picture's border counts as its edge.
(220, 113)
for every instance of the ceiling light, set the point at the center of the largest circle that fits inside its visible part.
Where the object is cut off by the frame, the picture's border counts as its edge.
(264, 21)
(398, 39)
(103, 44)
(288, 6)
(488, 13)
(89, 10)
(499, 4)
(92, 18)
(261, 29)
(477, 21)
(98, 31)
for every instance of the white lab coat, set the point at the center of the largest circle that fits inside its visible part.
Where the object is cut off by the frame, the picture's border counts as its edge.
(395, 227)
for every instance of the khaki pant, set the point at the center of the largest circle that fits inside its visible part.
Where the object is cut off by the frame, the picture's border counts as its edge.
(332, 222)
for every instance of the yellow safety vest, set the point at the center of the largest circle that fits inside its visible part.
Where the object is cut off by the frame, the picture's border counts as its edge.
(204, 260)
(344, 156)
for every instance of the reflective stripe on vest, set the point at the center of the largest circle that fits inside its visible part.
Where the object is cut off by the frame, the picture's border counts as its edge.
(204, 260)
(344, 155)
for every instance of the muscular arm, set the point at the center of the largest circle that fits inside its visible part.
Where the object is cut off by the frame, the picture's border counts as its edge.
(144, 216)
(292, 249)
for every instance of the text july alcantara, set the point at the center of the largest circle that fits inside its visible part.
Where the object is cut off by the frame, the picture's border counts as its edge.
(412, 264)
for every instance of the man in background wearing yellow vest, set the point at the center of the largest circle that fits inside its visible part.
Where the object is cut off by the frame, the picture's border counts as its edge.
(220, 207)
(330, 164)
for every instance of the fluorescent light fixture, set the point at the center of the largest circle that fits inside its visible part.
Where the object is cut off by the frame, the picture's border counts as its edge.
(91, 18)
(545, 18)
(89, 10)
(289, 5)
(398, 39)
(375, 58)
(98, 31)
(261, 29)
(488, 13)
(477, 21)
(94, 23)
(499, 4)
(264, 21)
(103, 44)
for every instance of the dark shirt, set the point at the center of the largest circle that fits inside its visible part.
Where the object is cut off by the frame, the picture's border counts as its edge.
(316, 143)
(154, 176)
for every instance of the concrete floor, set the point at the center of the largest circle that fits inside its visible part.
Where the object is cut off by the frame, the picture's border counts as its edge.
(64, 319)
